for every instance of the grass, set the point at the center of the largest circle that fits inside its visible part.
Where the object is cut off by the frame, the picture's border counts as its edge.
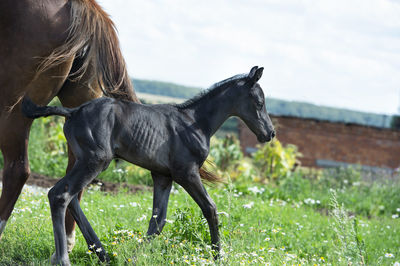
(255, 229)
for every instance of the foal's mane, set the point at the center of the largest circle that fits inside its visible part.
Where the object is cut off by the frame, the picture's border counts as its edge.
(215, 89)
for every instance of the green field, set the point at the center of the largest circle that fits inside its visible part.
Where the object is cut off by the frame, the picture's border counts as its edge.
(255, 228)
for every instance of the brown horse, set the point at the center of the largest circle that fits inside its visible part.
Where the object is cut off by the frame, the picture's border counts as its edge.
(63, 48)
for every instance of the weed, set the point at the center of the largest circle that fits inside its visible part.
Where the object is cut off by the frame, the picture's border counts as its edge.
(348, 242)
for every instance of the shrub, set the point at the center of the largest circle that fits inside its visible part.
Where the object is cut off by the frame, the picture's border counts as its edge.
(274, 161)
(225, 152)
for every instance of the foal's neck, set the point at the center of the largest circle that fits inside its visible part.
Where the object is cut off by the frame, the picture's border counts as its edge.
(210, 113)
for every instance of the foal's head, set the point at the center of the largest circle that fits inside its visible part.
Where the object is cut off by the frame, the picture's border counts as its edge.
(251, 107)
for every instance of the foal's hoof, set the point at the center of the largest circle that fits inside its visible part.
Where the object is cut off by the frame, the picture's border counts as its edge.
(216, 251)
(70, 246)
(57, 261)
(103, 256)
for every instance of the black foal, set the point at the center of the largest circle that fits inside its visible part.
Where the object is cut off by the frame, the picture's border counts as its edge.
(172, 141)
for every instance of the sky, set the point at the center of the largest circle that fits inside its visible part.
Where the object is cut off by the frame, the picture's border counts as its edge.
(341, 53)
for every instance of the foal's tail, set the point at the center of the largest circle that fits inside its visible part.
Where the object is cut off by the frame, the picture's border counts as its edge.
(208, 176)
(31, 110)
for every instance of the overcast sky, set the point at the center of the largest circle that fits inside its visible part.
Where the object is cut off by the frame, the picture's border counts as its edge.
(342, 53)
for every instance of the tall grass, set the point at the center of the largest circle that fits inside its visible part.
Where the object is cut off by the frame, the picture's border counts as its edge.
(349, 245)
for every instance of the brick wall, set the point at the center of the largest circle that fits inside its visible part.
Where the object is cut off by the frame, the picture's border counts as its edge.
(336, 142)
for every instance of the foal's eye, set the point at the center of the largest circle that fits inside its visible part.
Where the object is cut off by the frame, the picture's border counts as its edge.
(259, 105)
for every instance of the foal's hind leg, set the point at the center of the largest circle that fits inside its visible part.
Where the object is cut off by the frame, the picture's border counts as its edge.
(73, 94)
(60, 196)
(162, 189)
(14, 145)
(88, 233)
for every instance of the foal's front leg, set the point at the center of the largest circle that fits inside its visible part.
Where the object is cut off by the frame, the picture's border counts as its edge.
(162, 189)
(193, 185)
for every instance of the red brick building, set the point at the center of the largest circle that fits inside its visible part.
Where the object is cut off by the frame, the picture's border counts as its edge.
(325, 143)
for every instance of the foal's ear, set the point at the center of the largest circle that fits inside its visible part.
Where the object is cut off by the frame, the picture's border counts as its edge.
(256, 73)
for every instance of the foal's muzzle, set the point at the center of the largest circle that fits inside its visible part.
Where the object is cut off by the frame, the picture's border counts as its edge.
(267, 137)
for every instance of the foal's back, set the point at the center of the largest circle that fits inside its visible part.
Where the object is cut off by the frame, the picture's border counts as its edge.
(141, 134)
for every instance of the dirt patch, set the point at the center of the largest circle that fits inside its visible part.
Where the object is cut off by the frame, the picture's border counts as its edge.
(47, 182)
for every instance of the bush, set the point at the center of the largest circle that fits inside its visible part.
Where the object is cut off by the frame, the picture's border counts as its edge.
(274, 161)
(225, 152)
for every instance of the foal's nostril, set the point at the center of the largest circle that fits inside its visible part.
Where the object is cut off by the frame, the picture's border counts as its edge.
(272, 135)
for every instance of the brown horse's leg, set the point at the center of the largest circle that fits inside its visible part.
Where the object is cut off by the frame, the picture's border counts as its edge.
(14, 145)
(14, 132)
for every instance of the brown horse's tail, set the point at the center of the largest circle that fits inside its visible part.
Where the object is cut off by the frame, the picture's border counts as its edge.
(93, 40)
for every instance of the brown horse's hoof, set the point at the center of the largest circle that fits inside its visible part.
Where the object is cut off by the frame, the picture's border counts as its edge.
(70, 241)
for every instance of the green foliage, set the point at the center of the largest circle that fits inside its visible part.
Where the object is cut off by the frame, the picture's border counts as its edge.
(395, 122)
(190, 225)
(120, 171)
(274, 161)
(308, 110)
(48, 149)
(225, 152)
(341, 177)
(229, 127)
(164, 88)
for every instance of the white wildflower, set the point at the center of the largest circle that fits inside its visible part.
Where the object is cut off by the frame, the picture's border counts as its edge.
(309, 201)
(224, 213)
(134, 204)
(271, 250)
(256, 190)
(141, 218)
(248, 205)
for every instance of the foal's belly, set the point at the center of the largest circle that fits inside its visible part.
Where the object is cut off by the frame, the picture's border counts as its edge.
(146, 147)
